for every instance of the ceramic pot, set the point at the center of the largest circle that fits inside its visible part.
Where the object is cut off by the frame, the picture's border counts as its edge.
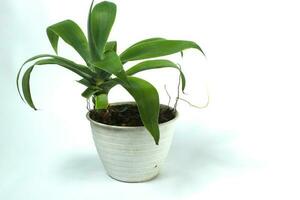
(130, 154)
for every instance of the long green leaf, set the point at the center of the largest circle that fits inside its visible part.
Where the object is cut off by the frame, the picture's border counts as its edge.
(83, 72)
(71, 33)
(147, 40)
(91, 41)
(20, 70)
(26, 77)
(76, 68)
(26, 85)
(154, 64)
(156, 48)
(144, 41)
(102, 19)
(147, 100)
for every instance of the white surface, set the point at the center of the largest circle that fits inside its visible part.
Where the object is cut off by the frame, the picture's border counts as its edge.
(244, 146)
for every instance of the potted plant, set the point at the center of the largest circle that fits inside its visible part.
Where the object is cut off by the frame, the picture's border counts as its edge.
(132, 138)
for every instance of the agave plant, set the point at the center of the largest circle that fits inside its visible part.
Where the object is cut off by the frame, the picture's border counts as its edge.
(102, 61)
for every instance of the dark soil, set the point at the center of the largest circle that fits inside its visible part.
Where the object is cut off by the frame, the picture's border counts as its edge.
(127, 115)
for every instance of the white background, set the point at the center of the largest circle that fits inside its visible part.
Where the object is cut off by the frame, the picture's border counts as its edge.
(245, 145)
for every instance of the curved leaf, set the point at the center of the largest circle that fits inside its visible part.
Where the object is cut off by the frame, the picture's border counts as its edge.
(81, 71)
(26, 87)
(76, 68)
(143, 41)
(102, 19)
(156, 48)
(147, 100)
(71, 33)
(155, 64)
(148, 40)
(20, 70)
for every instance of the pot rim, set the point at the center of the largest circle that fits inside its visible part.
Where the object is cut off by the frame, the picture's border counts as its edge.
(129, 127)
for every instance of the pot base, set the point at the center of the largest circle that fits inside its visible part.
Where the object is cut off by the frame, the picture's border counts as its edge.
(134, 181)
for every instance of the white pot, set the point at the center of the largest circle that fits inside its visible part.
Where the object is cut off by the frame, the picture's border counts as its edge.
(130, 154)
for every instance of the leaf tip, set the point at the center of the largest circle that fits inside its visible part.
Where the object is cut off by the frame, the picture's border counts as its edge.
(199, 48)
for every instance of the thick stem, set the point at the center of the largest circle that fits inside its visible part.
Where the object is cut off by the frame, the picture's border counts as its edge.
(101, 101)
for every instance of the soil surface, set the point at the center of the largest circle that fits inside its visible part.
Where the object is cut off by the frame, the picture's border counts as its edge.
(127, 115)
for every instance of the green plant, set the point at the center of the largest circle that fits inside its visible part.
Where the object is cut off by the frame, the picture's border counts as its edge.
(102, 61)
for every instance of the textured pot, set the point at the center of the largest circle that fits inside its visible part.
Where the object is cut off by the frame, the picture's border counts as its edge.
(129, 154)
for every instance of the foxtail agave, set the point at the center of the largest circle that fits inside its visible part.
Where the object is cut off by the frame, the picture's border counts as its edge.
(102, 61)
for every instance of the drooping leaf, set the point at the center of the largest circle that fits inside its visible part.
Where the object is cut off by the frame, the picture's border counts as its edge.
(147, 100)
(154, 64)
(78, 69)
(102, 19)
(20, 70)
(26, 87)
(54, 60)
(71, 33)
(156, 48)
(74, 67)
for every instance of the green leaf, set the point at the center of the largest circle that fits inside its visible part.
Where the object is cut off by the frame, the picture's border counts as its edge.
(20, 70)
(71, 33)
(101, 101)
(156, 48)
(26, 87)
(147, 40)
(78, 69)
(92, 45)
(81, 70)
(111, 46)
(102, 19)
(85, 82)
(87, 93)
(112, 65)
(147, 100)
(154, 64)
